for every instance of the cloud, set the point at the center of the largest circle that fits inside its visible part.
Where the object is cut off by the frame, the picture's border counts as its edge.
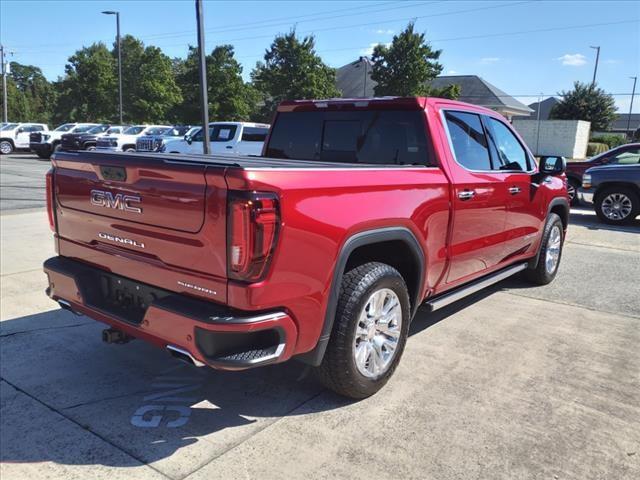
(369, 50)
(573, 59)
(382, 31)
(451, 72)
(611, 61)
(489, 60)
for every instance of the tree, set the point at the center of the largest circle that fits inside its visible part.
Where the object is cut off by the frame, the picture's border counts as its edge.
(88, 92)
(292, 70)
(30, 96)
(230, 98)
(586, 102)
(406, 67)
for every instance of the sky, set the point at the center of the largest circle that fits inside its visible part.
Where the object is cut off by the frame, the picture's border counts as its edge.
(525, 48)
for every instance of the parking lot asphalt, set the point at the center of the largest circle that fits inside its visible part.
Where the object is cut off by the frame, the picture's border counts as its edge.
(513, 382)
(21, 181)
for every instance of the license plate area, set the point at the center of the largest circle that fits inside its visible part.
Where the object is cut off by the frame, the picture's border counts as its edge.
(119, 297)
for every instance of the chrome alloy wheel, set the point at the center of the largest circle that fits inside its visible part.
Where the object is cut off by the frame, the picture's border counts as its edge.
(571, 191)
(616, 206)
(554, 244)
(5, 148)
(377, 333)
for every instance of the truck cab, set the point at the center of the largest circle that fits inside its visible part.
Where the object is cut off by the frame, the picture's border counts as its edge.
(227, 138)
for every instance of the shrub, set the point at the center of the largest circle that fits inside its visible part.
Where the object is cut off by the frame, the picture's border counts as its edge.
(611, 140)
(594, 148)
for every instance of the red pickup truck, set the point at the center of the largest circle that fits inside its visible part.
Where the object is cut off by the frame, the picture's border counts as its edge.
(358, 212)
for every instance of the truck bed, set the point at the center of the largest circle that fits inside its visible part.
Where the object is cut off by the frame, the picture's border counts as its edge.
(239, 161)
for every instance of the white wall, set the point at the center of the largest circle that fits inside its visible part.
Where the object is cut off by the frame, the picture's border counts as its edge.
(568, 138)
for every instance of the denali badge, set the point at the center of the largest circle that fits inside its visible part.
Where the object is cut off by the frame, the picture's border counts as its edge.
(115, 238)
(196, 287)
(120, 201)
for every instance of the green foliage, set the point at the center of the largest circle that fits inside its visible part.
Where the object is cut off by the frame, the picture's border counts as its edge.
(292, 70)
(88, 92)
(30, 97)
(230, 98)
(406, 66)
(586, 102)
(595, 148)
(611, 140)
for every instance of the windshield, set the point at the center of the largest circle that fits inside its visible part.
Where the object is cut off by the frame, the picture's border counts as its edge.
(156, 130)
(9, 126)
(385, 137)
(114, 130)
(65, 128)
(83, 129)
(176, 131)
(98, 129)
(133, 130)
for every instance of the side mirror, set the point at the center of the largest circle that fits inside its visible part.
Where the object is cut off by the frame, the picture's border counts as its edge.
(188, 139)
(553, 165)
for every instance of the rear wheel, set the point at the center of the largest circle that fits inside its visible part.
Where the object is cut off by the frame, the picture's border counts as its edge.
(6, 147)
(617, 205)
(369, 332)
(91, 148)
(550, 252)
(129, 148)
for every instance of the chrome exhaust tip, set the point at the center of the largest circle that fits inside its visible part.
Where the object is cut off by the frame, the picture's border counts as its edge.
(67, 306)
(181, 354)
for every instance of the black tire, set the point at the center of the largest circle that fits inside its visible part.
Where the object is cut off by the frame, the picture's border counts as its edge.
(338, 370)
(55, 147)
(129, 148)
(572, 187)
(620, 190)
(540, 275)
(43, 155)
(6, 147)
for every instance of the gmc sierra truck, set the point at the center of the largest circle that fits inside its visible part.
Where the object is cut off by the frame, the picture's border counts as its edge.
(322, 249)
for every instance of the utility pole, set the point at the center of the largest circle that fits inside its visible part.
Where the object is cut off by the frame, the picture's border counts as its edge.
(4, 85)
(366, 64)
(118, 44)
(204, 99)
(538, 125)
(595, 69)
(633, 94)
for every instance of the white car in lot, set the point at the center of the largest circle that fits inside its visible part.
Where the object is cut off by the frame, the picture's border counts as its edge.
(126, 141)
(44, 143)
(227, 138)
(15, 136)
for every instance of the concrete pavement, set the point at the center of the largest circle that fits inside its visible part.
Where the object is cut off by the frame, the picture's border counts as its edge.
(514, 382)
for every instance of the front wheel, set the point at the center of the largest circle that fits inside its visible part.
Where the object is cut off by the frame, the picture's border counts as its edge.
(6, 147)
(369, 332)
(572, 191)
(617, 205)
(550, 252)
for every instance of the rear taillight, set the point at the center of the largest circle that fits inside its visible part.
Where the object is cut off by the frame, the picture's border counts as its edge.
(50, 202)
(252, 232)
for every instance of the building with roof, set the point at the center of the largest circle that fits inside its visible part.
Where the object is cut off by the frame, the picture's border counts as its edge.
(545, 109)
(619, 125)
(354, 81)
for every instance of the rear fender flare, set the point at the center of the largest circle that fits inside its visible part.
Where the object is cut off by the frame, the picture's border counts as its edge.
(368, 237)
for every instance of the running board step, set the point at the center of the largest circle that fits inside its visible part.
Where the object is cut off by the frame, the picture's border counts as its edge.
(461, 292)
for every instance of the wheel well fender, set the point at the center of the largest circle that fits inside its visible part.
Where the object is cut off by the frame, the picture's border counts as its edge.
(607, 185)
(6, 139)
(559, 206)
(372, 245)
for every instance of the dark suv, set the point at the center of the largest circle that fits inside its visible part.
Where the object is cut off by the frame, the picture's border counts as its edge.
(575, 170)
(614, 189)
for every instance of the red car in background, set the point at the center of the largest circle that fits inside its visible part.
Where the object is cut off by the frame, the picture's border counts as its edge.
(616, 155)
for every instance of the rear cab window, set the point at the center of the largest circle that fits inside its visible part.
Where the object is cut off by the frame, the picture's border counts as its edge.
(254, 134)
(379, 137)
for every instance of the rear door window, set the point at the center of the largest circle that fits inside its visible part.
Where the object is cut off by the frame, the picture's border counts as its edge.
(222, 133)
(468, 140)
(384, 137)
(254, 134)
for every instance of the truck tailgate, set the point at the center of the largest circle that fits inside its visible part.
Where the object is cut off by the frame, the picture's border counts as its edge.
(142, 216)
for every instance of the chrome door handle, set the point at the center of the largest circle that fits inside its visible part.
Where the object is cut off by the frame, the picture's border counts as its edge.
(466, 194)
(514, 190)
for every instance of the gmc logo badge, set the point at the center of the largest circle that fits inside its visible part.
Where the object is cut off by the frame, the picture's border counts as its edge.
(120, 201)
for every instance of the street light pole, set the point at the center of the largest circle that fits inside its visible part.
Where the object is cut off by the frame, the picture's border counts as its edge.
(595, 69)
(633, 94)
(204, 99)
(4, 85)
(118, 45)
